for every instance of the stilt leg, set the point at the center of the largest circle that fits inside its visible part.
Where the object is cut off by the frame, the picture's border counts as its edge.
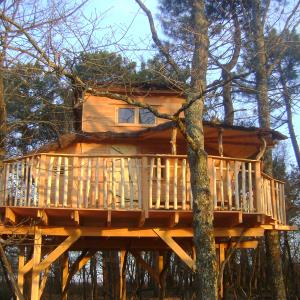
(123, 257)
(20, 273)
(35, 282)
(65, 273)
(221, 260)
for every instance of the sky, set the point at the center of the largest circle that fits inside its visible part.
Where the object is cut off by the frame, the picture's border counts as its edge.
(131, 30)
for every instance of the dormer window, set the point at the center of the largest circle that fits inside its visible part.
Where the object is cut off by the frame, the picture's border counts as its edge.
(126, 115)
(146, 116)
(135, 115)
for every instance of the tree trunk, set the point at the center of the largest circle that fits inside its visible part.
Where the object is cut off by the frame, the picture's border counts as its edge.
(10, 273)
(206, 268)
(261, 76)
(288, 107)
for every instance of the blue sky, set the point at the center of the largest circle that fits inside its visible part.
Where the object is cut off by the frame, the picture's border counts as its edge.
(131, 30)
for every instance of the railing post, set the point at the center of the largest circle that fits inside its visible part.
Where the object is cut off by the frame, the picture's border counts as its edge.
(42, 181)
(274, 204)
(211, 176)
(145, 186)
(258, 181)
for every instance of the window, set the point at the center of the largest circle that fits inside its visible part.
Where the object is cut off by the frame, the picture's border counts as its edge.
(126, 115)
(135, 115)
(146, 116)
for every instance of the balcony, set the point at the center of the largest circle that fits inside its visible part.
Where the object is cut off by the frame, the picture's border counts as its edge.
(148, 185)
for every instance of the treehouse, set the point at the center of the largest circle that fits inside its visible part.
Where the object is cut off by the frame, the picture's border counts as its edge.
(123, 183)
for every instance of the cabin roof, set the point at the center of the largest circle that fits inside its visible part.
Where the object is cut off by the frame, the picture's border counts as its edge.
(231, 134)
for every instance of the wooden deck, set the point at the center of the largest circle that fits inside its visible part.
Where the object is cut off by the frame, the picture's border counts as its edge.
(130, 189)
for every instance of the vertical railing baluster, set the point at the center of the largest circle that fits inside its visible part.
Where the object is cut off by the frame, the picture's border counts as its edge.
(30, 175)
(250, 187)
(214, 173)
(151, 182)
(97, 202)
(66, 181)
(26, 181)
(243, 186)
(175, 187)
(228, 181)
(131, 179)
(57, 181)
(221, 184)
(105, 188)
(158, 182)
(184, 184)
(88, 183)
(80, 195)
(236, 185)
(167, 190)
(16, 179)
(122, 184)
(49, 180)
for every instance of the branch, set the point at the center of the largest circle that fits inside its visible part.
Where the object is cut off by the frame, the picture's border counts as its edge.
(163, 50)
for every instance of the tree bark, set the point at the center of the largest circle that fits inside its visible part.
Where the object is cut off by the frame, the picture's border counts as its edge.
(10, 273)
(288, 106)
(206, 268)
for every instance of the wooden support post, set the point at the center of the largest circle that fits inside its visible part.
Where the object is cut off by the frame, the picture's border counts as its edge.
(35, 280)
(145, 186)
(176, 248)
(64, 273)
(20, 273)
(58, 251)
(221, 261)
(123, 259)
(258, 181)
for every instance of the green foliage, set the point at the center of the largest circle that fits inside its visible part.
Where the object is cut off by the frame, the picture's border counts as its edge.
(38, 106)
(104, 67)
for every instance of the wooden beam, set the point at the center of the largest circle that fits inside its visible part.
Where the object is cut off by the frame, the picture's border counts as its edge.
(42, 216)
(35, 279)
(58, 251)
(21, 263)
(174, 219)
(176, 248)
(9, 216)
(123, 259)
(65, 274)
(135, 232)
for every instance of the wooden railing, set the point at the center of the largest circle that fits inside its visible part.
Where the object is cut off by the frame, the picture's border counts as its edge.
(136, 182)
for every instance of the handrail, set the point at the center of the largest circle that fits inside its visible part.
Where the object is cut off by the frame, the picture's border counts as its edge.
(140, 182)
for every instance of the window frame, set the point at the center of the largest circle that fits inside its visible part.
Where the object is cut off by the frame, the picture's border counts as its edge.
(136, 117)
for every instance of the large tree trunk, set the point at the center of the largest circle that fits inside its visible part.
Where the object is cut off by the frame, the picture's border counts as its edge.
(261, 76)
(206, 273)
(288, 107)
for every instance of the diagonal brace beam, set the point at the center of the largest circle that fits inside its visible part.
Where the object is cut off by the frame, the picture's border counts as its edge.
(163, 234)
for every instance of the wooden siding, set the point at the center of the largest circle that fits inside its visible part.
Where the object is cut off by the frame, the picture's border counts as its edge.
(100, 113)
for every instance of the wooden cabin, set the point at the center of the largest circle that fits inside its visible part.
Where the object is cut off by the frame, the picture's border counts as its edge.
(123, 183)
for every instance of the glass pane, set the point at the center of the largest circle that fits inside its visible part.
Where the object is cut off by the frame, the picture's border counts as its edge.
(126, 115)
(146, 116)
